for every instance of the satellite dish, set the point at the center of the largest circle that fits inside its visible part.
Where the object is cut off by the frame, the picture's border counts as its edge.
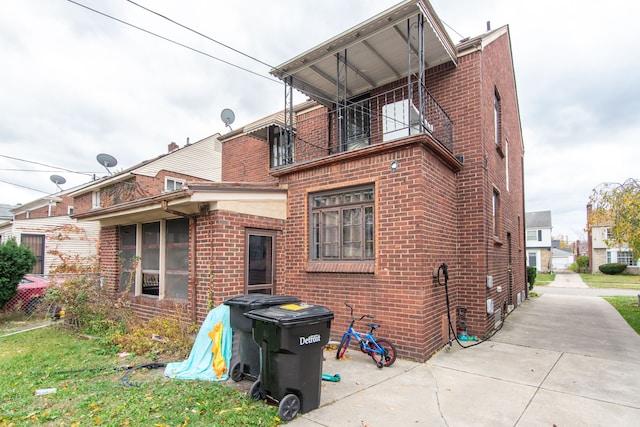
(106, 160)
(57, 180)
(227, 117)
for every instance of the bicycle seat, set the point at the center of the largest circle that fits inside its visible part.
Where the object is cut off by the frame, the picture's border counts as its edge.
(373, 325)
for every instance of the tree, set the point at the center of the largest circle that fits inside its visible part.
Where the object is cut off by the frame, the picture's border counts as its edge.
(617, 206)
(15, 262)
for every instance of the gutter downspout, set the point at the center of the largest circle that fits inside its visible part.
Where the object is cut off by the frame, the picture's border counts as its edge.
(192, 248)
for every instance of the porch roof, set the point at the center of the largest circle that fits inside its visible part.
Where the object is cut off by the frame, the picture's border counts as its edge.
(377, 52)
(258, 199)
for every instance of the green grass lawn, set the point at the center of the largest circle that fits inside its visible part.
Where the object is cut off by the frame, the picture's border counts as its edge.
(618, 281)
(90, 390)
(627, 306)
(544, 279)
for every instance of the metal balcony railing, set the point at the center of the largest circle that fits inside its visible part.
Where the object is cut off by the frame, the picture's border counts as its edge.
(368, 121)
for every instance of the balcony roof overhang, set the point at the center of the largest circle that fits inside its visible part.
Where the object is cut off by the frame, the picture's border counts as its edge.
(377, 53)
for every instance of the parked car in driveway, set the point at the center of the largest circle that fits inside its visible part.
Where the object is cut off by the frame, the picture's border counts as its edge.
(31, 291)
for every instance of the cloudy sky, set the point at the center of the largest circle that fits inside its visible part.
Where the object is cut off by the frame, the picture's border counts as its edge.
(75, 83)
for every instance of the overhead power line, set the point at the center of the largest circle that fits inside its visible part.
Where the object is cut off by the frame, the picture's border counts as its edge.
(175, 42)
(24, 186)
(46, 165)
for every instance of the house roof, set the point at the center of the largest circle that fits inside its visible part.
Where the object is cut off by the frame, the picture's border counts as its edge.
(541, 219)
(239, 197)
(5, 211)
(181, 160)
(376, 53)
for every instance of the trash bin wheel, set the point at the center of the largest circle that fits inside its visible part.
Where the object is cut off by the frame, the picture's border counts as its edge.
(236, 372)
(289, 407)
(256, 392)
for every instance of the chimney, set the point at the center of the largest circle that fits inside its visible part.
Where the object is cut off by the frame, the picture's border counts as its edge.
(172, 147)
(488, 26)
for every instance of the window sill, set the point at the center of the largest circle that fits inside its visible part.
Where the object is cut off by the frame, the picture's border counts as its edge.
(497, 241)
(341, 267)
(500, 150)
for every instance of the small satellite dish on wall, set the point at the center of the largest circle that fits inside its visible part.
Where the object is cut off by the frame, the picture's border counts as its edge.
(58, 180)
(227, 117)
(106, 160)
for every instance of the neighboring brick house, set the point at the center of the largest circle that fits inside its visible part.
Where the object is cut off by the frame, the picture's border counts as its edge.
(539, 244)
(45, 226)
(408, 155)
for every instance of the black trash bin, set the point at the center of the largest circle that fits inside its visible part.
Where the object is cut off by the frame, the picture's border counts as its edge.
(247, 362)
(291, 338)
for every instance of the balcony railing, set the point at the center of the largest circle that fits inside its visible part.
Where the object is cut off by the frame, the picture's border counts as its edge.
(368, 121)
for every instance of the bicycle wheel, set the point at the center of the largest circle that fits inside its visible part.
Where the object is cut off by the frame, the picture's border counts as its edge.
(344, 344)
(389, 355)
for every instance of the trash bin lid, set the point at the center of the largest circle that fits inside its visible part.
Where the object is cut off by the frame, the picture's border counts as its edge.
(292, 314)
(255, 301)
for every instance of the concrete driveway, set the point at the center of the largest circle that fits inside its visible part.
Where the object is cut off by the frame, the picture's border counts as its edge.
(560, 359)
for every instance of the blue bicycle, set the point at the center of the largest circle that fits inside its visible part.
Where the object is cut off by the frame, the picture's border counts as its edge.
(382, 351)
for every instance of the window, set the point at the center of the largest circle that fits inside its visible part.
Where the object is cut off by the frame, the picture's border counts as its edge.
(342, 225)
(173, 184)
(69, 210)
(127, 257)
(506, 163)
(534, 235)
(533, 259)
(281, 147)
(95, 199)
(356, 124)
(497, 117)
(163, 248)
(624, 256)
(496, 213)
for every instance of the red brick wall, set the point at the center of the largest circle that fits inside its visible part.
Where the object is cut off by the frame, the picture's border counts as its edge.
(219, 268)
(415, 232)
(467, 94)
(246, 159)
(56, 209)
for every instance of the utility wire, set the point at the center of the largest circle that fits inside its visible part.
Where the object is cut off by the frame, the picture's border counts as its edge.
(201, 34)
(174, 42)
(44, 164)
(24, 186)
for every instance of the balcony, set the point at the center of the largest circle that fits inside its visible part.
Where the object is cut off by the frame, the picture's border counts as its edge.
(388, 116)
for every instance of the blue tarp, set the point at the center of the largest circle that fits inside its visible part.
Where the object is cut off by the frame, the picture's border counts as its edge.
(199, 365)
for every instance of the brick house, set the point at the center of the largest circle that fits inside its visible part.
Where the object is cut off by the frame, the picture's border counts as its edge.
(407, 155)
(601, 248)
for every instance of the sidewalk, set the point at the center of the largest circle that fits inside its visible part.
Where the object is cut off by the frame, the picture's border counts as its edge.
(560, 360)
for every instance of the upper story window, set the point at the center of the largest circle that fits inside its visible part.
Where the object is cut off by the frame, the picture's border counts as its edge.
(173, 184)
(355, 123)
(534, 235)
(69, 210)
(496, 213)
(95, 199)
(281, 147)
(342, 225)
(497, 117)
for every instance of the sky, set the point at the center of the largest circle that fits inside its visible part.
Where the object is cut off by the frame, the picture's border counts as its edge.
(75, 84)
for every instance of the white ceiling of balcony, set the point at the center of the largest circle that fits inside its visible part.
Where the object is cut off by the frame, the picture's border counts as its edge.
(376, 52)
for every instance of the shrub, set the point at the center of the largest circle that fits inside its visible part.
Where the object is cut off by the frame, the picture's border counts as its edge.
(532, 272)
(613, 268)
(583, 264)
(15, 261)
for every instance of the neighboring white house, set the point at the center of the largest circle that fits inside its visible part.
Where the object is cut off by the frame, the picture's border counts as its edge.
(44, 225)
(538, 234)
(602, 253)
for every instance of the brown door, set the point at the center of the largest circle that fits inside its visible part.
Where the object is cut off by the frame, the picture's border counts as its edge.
(260, 248)
(35, 242)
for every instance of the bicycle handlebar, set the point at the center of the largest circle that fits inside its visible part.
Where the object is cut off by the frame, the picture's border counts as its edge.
(361, 317)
